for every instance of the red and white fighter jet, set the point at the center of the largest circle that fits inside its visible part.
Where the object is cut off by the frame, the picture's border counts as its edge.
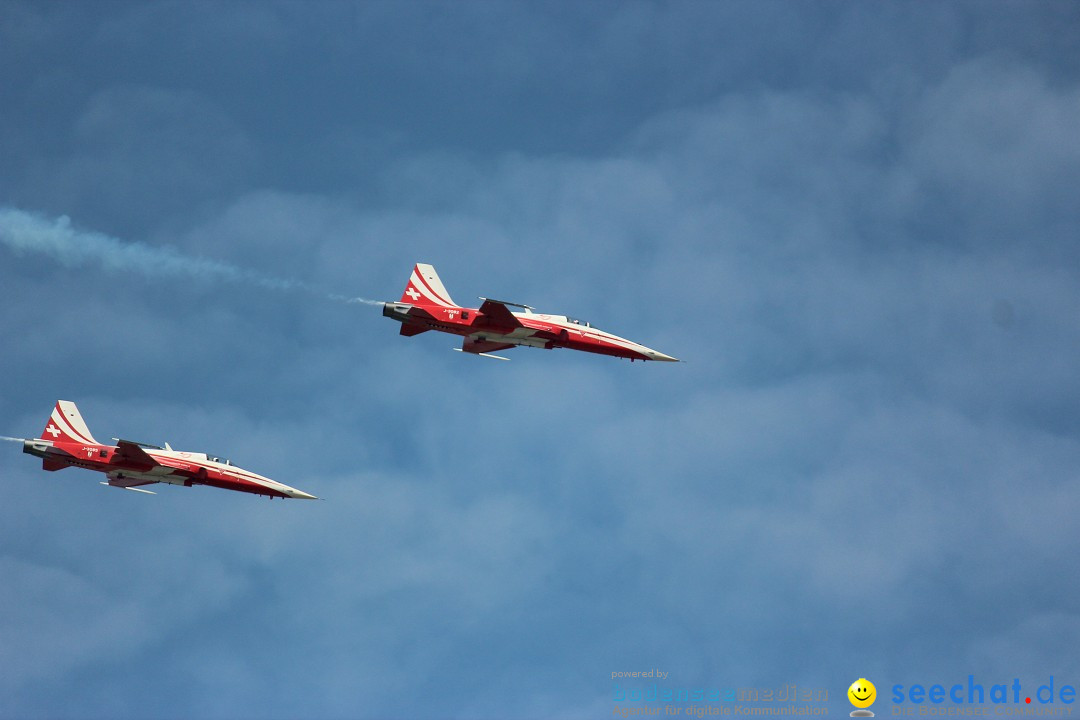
(67, 442)
(425, 305)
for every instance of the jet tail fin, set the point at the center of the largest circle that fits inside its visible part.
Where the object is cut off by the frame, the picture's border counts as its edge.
(425, 288)
(66, 424)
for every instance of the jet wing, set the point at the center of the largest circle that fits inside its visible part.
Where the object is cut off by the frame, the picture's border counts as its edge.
(116, 480)
(131, 454)
(482, 347)
(496, 314)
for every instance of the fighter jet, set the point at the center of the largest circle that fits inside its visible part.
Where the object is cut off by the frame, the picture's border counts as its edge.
(67, 442)
(425, 305)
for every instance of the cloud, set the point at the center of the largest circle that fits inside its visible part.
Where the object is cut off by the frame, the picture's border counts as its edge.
(868, 457)
(28, 232)
(993, 144)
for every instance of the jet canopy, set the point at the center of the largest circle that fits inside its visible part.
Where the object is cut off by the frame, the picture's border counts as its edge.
(575, 321)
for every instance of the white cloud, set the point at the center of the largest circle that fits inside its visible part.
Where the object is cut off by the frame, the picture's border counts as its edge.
(868, 454)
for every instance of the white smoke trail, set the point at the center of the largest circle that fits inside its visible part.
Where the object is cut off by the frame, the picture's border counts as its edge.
(29, 232)
(11, 439)
(353, 300)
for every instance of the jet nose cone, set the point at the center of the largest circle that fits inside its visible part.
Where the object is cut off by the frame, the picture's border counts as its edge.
(655, 355)
(301, 495)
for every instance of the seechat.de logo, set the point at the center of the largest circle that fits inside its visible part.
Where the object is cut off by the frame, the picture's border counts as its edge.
(862, 695)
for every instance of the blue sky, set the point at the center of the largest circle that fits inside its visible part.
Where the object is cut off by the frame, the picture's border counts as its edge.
(857, 222)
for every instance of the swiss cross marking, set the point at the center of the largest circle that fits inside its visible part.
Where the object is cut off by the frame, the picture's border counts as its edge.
(411, 292)
(52, 430)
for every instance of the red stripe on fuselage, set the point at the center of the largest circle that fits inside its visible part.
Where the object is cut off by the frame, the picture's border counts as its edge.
(582, 339)
(88, 457)
(241, 486)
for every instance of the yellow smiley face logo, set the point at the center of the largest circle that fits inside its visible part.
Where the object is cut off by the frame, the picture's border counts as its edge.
(862, 693)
